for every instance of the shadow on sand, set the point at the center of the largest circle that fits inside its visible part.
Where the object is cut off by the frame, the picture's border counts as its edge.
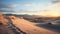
(51, 27)
(15, 29)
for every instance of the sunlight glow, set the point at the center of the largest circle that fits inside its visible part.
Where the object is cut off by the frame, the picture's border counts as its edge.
(49, 13)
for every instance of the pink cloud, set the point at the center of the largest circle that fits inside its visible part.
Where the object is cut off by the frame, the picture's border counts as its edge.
(31, 4)
(13, 5)
(27, 4)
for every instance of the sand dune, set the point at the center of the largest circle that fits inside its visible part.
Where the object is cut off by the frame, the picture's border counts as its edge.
(28, 27)
(13, 25)
(3, 20)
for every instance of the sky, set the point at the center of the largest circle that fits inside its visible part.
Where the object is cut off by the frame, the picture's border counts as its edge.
(36, 7)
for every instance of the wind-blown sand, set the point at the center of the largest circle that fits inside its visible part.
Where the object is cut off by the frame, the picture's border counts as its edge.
(28, 27)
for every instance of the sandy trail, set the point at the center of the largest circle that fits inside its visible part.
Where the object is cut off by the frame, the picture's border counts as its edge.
(28, 27)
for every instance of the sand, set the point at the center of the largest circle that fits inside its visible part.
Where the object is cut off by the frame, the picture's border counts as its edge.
(28, 27)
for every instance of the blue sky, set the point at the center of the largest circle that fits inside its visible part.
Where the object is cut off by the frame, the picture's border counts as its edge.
(29, 6)
(21, 4)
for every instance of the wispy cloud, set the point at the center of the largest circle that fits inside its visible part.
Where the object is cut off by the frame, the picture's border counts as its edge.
(6, 8)
(27, 5)
(6, 11)
(56, 2)
(31, 4)
(13, 5)
(8, 5)
(3, 6)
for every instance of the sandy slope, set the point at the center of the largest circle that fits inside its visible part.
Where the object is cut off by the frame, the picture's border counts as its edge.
(3, 20)
(3, 28)
(28, 27)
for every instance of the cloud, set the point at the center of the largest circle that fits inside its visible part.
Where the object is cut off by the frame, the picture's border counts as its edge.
(31, 5)
(27, 4)
(56, 2)
(6, 10)
(4, 6)
(8, 6)
(13, 5)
